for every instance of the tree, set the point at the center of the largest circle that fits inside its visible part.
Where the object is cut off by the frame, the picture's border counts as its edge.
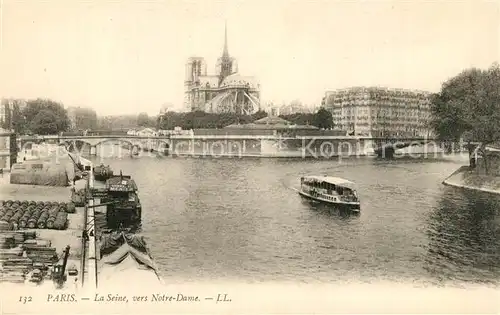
(299, 118)
(469, 103)
(85, 118)
(18, 119)
(44, 123)
(259, 115)
(117, 122)
(323, 119)
(34, 107)
(143, 120)
(203, 120)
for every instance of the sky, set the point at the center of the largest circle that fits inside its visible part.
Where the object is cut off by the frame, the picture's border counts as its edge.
(125, 57)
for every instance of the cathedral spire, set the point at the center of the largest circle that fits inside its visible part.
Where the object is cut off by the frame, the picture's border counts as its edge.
(226, 52)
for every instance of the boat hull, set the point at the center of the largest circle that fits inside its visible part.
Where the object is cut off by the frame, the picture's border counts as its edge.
(353, 206)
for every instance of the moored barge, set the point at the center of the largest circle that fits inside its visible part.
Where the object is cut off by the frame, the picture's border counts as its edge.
(123, 255)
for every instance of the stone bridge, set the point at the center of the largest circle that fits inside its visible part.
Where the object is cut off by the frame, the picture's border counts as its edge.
(145, 143)
(382, 147)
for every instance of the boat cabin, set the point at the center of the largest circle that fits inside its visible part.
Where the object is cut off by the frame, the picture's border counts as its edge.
(125, 207)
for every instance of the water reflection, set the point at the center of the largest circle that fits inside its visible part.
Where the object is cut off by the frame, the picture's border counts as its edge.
(331, 210)
(464, 237)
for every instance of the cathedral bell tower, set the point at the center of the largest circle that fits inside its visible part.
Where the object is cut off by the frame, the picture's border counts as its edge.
(224, 63)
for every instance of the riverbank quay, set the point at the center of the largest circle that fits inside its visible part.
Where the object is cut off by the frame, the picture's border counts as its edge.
(467, 178)
(55, 241)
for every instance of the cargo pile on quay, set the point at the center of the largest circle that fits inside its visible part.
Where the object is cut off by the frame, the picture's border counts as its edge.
(24, 256)
(41, 230)
(22, 253)
(85, 234)
(32, 214)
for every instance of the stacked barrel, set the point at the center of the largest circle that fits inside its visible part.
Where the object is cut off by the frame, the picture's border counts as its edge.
(35, 215)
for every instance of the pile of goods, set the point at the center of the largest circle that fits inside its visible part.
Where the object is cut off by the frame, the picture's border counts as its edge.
(78, 197)
(39, 251)
(35, 215)
(20, 251)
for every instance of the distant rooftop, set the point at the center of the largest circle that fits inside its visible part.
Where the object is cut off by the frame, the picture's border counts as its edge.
(377, 88)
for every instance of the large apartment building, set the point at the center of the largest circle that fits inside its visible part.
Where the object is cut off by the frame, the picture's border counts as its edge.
(380, 112)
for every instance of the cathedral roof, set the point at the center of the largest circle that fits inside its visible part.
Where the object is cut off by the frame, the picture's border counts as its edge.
(237, 79)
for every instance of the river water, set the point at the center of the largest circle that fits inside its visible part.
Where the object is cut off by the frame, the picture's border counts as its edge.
(242, 219)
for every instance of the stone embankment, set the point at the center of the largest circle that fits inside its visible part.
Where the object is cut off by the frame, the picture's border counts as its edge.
(467, 178)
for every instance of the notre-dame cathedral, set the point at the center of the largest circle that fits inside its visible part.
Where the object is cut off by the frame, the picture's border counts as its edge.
(225, 92)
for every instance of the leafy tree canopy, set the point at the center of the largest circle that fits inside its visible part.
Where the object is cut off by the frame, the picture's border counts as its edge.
(202, 120)
(143, 120)
(469, 105)
(46, 108)
(44, 123)
(322, 119)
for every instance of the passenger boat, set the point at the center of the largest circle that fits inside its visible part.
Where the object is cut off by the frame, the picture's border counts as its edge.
(330, 190)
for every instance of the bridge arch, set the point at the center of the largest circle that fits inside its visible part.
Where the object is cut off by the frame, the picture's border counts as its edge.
(96, 142)
(105, 140)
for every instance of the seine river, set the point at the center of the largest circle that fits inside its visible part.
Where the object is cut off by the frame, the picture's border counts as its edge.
(242, 219)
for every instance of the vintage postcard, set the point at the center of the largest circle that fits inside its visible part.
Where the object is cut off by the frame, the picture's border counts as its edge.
(249, 157)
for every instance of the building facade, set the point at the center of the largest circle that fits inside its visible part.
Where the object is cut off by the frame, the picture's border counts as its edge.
(8, 149)
(224, 92)
(7, 111)
(380, 112)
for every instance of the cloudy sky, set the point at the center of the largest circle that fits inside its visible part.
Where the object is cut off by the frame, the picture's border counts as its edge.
(129, 56)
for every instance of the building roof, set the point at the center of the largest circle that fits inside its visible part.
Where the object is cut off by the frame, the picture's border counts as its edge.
(493, 146)
(272, 120)
(147, 130)
(332, 180)
(377, 89)
(236, 79)
(271, 123)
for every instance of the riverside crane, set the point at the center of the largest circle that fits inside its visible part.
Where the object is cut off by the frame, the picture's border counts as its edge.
(59, 270)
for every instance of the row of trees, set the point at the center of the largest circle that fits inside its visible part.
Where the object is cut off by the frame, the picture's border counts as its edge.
(202, 120)
(38, 116)
(322, 119)
(44, 116)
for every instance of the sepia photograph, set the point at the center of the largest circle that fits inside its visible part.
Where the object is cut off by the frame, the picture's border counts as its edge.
(249, 157)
